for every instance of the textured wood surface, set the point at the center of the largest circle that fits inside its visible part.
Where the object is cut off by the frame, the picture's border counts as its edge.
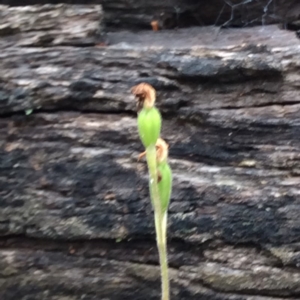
(138, 14)
(75, 218)
(49, 25)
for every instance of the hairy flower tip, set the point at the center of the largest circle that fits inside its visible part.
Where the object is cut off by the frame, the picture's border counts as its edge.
(162, 150)
(145, 95)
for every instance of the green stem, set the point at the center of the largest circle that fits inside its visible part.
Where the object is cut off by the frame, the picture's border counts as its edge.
(163, 259)
(160, 218)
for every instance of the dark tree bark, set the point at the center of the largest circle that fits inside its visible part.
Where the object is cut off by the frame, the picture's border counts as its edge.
(76, 220)
(185, 13)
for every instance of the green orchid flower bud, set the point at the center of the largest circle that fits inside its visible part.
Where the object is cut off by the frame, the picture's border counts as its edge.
(164, 184)
(149, 125)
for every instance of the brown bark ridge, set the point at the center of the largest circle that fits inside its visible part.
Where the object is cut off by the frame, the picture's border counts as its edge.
(76, 221)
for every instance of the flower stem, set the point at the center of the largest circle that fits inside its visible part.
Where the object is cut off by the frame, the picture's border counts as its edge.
(160, 218)
(163, 259)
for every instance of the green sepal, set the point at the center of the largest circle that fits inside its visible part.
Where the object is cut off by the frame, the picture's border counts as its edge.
(164, 185)
(149, 125)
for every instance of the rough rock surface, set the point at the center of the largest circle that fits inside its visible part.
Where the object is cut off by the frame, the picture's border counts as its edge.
(75, 218)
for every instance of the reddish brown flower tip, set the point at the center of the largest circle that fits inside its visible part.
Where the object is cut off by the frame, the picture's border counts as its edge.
(145, 94)
(162, 150)
(154, 25)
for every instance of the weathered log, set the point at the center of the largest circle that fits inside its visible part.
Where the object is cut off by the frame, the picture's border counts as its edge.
(76, 220)
(51, 25)
(185, 13)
